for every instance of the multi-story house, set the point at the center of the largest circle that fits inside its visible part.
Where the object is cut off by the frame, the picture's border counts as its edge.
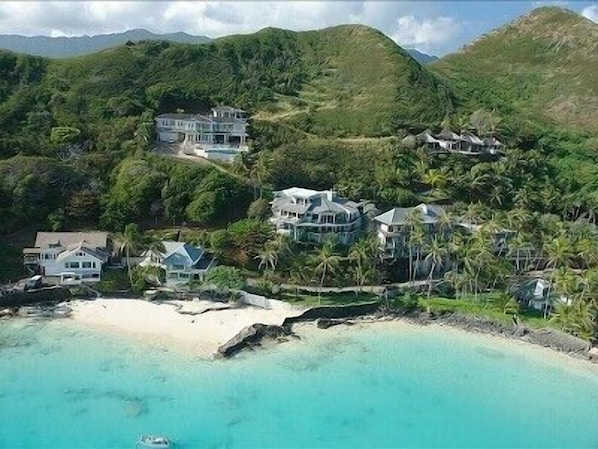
(69, 256)
(394, 227)
(220, 135)
(181, 261)
(311, 215)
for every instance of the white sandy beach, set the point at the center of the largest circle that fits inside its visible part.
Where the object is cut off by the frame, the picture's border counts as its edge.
(163, 326)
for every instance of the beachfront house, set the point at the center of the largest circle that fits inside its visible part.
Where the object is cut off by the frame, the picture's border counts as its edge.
(315, 216)
(537, 294)
(181, 261)
(394, 230)
(218, 135)
(68, 257)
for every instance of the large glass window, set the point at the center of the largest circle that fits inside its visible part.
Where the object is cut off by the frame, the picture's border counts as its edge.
(86, 264)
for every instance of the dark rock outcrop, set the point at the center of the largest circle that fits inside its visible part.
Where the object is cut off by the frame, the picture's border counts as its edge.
(325, 323)
(252, 336)
(335, 312)
(555, 339)
(18, 298)
(550, 338)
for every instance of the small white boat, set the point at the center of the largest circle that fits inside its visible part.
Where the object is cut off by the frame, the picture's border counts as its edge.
(154, 442)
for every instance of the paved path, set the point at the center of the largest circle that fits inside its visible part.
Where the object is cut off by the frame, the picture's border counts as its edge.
(376, 289)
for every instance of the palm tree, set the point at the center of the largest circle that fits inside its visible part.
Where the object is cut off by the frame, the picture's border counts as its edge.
(518, 245)
(268, 258)
(153, 244)
(436, 255)
(325, 261)
(131, 241)
(435, 178)
(559, 252)
(414, 221)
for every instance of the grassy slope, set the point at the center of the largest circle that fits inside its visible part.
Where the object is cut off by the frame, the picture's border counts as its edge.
(545, 64)
(345, 81)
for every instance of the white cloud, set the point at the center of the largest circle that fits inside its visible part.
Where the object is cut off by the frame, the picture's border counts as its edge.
(591, 12)
(426, 35)
(218, 18)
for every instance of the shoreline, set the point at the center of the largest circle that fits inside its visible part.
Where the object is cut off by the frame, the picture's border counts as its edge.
(205, 329)
(196, 328)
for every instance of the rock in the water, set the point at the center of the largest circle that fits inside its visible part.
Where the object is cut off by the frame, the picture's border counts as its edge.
(323, 323)
(593, 354)
(251, 336)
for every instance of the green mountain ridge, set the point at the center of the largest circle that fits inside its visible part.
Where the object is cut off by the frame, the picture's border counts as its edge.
(343, 81)
(543, 67)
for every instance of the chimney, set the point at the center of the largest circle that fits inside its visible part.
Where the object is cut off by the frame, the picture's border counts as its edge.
(330, 195)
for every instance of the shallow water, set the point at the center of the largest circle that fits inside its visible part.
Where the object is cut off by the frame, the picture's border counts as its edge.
(368, 386)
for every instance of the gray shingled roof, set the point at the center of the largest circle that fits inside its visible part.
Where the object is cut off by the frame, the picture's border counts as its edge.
(447, 134)
(64, 239)
(399, 215)
(316, 205)
(176, 116)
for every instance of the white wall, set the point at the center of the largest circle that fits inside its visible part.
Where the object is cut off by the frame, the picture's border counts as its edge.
(54, 267)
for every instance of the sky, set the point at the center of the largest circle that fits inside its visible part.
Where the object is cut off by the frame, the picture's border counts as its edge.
(437, 28)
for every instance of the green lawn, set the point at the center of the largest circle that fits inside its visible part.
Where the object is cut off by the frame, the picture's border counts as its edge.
(328, 299)
(484, 306)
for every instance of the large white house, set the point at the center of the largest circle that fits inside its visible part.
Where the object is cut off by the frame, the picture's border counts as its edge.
(182, 262)
(70, 256)
(219, 135)
(311, 215)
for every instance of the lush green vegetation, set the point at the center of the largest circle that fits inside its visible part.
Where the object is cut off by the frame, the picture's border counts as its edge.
(543, 65)
(330, 109)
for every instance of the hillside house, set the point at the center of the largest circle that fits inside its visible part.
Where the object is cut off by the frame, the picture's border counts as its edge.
(219, 134)
(69, 256)
(310, 215)
(181, 261)
(464, 143)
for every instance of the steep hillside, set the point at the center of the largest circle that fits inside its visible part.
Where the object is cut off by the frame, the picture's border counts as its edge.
(543, 65)
(342, 81)
(64, 47)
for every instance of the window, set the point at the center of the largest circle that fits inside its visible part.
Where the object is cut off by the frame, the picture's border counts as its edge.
(184, 275)
(80, 254)
(93, 264)
(85, 264)
(71, 265)
(178, 267)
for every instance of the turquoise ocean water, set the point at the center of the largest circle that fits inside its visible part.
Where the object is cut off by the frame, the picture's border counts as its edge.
(372, 386)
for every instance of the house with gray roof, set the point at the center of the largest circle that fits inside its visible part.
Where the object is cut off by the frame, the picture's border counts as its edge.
(181, 261)
(72, 256)
(311, 215)
(219, 134)
(394, 227)
(467, 143)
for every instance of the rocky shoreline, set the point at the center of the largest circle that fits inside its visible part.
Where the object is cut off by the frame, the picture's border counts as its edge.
(325, 317)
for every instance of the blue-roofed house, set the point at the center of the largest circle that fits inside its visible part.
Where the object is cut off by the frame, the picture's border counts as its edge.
(182, 261)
